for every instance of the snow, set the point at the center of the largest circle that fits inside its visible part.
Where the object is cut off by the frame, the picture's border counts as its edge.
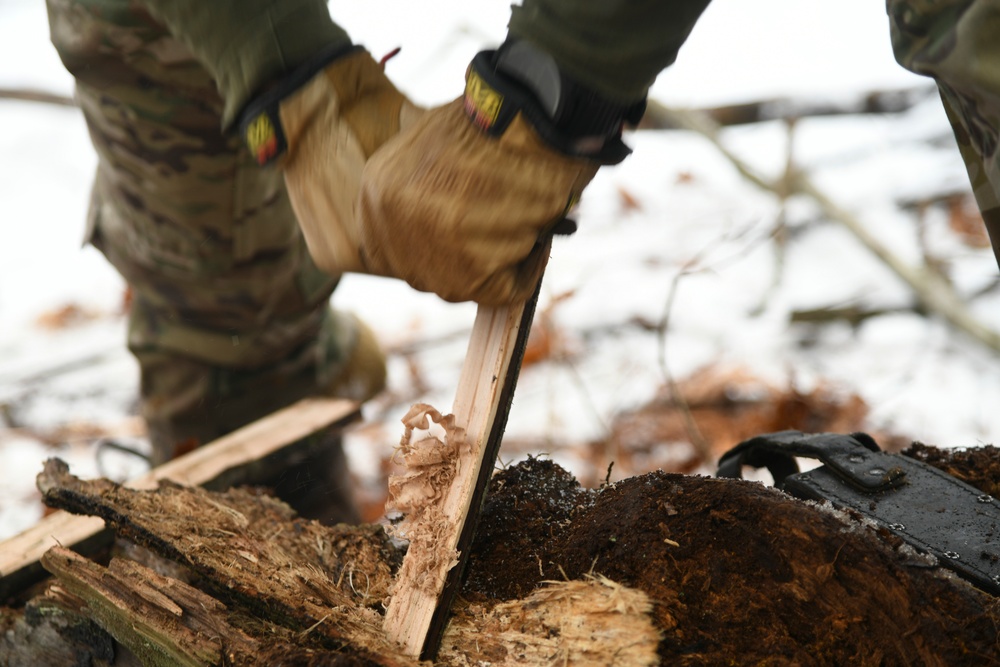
(695, 216)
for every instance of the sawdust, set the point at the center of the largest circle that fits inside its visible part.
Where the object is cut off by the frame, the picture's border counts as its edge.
(589, 622)
(431, 457)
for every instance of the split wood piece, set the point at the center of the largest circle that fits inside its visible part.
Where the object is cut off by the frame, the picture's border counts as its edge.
(168, 623)
(250, 551)
(418, 611)
(162, 621)
(245, 456)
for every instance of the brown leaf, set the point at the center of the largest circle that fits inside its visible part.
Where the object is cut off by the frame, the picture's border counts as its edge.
(65, 317)
(965, 220)
(628, 200)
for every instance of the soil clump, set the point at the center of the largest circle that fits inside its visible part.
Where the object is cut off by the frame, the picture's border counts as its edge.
(741, 573)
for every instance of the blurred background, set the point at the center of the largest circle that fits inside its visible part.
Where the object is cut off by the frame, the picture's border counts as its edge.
(704, 300)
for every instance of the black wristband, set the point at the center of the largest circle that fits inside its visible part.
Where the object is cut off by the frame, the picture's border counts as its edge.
(574, 119)
(260, 121)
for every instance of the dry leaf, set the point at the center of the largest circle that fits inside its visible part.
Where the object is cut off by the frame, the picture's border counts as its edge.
(965, 220)
(628, 201)
(64, 317)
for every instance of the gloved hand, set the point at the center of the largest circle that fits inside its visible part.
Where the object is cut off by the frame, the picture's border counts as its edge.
(321, 124)
(457, 204)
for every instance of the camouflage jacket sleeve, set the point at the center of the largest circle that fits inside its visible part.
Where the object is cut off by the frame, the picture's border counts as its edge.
(247, 43)
(616, 47)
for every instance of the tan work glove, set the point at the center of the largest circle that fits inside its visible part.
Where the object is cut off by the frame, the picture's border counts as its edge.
(457, 204)
(321, 125)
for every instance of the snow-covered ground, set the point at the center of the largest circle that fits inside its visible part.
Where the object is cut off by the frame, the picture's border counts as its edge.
(675, 206)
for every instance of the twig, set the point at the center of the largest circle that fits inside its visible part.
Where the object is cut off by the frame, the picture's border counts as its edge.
(312, 627)
(932, 291)
(701, 446)
(692, 266)
(585, 394)
(62, 368)
(780, 224)
(24, 95)
(853, 315)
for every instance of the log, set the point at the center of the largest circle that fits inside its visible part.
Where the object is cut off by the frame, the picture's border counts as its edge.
(274, 589)
(297, 577)
(785, 578)
(245, 456)
(418, 611)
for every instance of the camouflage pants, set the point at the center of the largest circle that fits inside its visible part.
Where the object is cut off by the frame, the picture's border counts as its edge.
(957, 42)
(230, 318)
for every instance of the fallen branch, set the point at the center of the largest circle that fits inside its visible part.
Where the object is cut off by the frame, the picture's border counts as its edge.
(933, 292)
(660, 117)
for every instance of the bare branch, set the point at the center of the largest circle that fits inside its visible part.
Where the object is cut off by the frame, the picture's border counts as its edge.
(936, 295)
(660, 117)
(25, 95)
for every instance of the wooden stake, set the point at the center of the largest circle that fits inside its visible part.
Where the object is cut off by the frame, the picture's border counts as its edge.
(230, 460)
(415, 618)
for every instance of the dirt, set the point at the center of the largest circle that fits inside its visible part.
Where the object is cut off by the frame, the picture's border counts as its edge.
(741, 574)
(979, 466)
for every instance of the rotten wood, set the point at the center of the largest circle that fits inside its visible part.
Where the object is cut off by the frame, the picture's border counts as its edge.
(53, 629)
(250, 552)
(163, 621)
(272, 589)
(418, 611)
(245, 456)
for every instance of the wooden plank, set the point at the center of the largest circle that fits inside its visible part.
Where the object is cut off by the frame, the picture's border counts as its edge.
(230, 460)
(416, 616)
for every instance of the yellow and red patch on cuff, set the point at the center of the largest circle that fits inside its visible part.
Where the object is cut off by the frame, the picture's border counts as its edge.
(262, 139)
(482, 102)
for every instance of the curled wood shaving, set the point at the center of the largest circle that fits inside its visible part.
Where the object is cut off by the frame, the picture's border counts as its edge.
(420, 492)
